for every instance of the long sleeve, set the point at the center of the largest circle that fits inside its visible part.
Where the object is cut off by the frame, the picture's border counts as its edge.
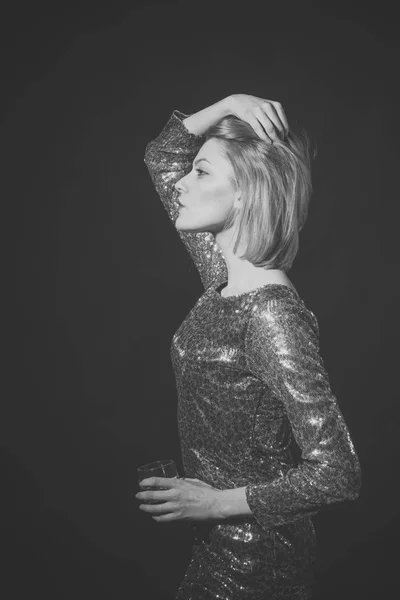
(168, 158)
(282, 349)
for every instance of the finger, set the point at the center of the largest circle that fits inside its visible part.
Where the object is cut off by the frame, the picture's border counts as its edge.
(256, 125)
(157, 509)
(164, 482)
(281, 113)
(160, 495)
(270, 110)
(271, 122)
(165, 518)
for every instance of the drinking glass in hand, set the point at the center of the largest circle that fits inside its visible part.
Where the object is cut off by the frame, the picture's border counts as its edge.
(160, 468)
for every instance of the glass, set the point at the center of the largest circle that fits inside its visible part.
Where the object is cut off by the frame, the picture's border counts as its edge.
(159, 468)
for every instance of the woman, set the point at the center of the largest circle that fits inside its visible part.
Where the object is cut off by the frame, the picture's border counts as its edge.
(264, 444)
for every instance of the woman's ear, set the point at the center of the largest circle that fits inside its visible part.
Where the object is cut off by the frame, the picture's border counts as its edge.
(237, 202)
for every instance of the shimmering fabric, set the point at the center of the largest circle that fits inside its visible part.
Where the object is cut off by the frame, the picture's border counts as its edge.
(255, 409)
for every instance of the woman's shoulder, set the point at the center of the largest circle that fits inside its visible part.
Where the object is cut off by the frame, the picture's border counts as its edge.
(280, 302)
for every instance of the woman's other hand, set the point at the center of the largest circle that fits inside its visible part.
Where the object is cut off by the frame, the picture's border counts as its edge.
(183, 499)
(266, 117)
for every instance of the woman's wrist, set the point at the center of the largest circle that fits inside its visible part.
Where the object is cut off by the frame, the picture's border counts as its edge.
(232, 503)
(199, 122)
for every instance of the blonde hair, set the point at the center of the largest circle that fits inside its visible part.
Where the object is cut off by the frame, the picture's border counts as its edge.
(275, 181)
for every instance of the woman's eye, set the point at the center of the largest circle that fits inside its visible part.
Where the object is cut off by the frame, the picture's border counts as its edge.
(199, 171)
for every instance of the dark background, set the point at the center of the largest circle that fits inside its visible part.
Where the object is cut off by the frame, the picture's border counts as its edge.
(100, 279)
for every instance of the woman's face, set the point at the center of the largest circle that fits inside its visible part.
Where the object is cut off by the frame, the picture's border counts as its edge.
(206, 193)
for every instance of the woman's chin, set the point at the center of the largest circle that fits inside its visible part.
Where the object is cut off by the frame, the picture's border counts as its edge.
(180, 225)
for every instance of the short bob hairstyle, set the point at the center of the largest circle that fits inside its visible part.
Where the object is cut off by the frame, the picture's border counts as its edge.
(275, 184)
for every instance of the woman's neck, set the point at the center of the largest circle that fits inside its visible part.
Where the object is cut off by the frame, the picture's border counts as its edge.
(242, 274)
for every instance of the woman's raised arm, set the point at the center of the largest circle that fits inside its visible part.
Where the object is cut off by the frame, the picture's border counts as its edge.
(168, 158)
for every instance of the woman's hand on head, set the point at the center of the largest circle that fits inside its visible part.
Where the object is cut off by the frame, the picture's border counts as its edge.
(181, 499)
(266, 117)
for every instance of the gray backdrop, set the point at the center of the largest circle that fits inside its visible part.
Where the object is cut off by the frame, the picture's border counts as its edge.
(101, 281)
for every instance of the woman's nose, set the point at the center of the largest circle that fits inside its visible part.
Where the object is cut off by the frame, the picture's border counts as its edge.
(178, 186)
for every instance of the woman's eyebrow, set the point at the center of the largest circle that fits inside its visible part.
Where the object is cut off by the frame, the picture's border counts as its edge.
(196, 162)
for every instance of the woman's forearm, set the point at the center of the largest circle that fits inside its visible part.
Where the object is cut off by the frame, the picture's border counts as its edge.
(199, 122)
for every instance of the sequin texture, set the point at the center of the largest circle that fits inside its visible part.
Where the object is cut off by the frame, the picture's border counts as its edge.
(255, 409)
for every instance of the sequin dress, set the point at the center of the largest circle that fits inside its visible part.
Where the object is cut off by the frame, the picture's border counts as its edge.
(255, 409)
